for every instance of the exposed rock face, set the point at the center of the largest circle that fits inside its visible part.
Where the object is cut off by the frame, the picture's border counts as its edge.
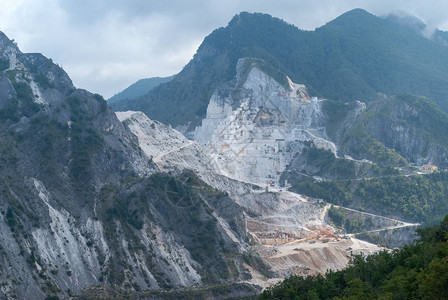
(415, 132)
(412, 127)
(254, 126)
(81, 204)
(86, 199)
(166, 147)
(290, 233)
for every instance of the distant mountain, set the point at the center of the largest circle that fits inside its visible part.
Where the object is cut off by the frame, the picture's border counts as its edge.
(420, 28)
(352, 57)
(139, 88)
(407, 21)
(441, 36)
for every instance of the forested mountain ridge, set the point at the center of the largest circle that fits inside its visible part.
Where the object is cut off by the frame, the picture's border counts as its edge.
(351, 58)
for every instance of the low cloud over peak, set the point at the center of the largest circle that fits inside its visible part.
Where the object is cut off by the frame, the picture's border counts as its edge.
(105, 45)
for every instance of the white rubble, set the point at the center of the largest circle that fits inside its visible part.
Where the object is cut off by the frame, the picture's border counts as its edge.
(169, 149)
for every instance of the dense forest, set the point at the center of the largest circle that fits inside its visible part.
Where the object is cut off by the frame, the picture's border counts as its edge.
(417, 271)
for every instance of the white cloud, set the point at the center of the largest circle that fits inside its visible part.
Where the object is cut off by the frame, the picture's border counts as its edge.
(105, 45)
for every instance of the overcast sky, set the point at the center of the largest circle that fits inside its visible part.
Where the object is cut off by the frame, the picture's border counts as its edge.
(106, 45)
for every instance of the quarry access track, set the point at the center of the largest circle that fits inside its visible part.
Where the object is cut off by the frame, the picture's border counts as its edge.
(158, 158)
(403, 223)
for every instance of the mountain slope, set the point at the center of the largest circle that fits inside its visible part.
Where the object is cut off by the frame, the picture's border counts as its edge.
(81, 204)
(381, 151)
(254, 125)
(352, 57)
(139, 88)
(414, 126)
(83, 201)
(257, 130)
(441, 37)
(288, 220)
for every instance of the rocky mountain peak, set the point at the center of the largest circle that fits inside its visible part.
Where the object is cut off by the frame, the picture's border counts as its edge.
(355, 15)
(246, 19)
(7, 46)
(35, 78)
